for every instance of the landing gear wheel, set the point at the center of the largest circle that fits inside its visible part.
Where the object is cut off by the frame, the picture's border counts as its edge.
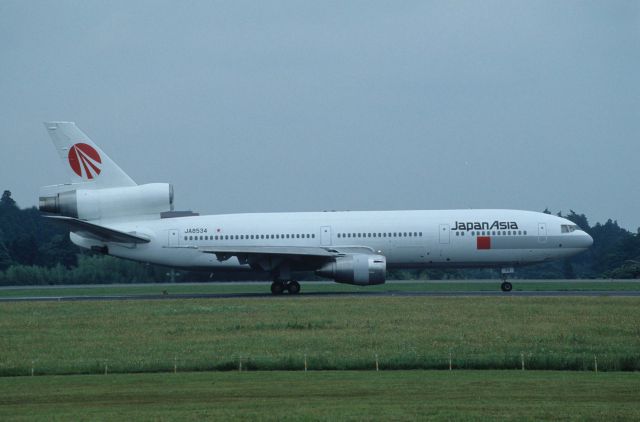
(506, 286)
(293, 287)
(277, 287)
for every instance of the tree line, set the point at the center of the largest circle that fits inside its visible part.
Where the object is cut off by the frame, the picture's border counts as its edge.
(36, 251)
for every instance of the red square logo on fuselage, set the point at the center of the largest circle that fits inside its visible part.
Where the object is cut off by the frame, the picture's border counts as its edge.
(484, 242)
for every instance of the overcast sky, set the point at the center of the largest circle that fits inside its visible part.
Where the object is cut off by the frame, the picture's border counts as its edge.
(302, 106)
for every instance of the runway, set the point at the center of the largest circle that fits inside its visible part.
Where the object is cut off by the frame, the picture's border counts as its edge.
(594, 293)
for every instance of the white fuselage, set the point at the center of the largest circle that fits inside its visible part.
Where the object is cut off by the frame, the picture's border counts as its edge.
(408, 239)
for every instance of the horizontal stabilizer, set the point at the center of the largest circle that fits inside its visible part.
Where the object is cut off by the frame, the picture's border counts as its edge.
(95, 231)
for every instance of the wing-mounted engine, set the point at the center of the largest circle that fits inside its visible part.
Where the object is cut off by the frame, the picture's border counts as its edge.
(360, 269)
(95, 204)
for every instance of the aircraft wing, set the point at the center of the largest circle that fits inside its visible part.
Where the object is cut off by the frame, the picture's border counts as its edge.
(95, 231)
(300, 252)
(270, 250)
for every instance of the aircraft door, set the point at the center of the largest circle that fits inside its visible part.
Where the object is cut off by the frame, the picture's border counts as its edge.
(542, 232)
(325, 235)
(444, 233)
(172, 238)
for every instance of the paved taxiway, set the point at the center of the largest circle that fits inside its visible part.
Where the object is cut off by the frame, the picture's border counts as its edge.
(620, 293)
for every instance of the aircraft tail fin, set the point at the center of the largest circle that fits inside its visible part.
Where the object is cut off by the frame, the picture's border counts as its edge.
(86, 163)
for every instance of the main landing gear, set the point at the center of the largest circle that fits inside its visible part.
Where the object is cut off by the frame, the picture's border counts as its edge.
(279, 286)
(506, 286)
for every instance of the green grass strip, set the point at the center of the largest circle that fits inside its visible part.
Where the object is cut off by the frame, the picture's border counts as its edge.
(565, 333)
(319, 395)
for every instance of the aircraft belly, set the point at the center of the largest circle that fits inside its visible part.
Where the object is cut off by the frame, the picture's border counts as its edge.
(407, 255)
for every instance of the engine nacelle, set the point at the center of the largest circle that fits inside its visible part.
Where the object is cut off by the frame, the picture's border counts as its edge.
(360, 269)
(95, 204)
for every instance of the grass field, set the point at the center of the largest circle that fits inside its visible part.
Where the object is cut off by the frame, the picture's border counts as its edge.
(344, 395)
(332, 332)
(426, 286)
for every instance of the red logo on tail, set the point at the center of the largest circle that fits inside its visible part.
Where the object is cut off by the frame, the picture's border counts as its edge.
(84, 160)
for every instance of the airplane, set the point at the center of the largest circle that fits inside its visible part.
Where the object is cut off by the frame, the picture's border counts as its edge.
(107, 212)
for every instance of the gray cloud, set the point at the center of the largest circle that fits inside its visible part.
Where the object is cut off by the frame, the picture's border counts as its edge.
(279, 106)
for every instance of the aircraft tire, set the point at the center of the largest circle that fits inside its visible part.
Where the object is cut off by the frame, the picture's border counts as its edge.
(293, 287)
(506, 286)
(277, 287)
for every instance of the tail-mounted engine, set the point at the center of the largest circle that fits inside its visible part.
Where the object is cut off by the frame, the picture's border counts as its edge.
(95, 204)
(360, 269)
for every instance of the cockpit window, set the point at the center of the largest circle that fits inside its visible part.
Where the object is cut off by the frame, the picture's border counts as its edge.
(568, 228)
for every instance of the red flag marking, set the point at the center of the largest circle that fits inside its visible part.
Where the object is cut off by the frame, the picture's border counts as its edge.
(484, 242)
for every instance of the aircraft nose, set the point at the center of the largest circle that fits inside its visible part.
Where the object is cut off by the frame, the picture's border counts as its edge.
(585, 240)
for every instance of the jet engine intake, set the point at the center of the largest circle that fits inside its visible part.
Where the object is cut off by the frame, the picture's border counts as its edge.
(359, 269)
(95, 204)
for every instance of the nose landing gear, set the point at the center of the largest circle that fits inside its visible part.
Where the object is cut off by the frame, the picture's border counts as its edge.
(506, 286)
